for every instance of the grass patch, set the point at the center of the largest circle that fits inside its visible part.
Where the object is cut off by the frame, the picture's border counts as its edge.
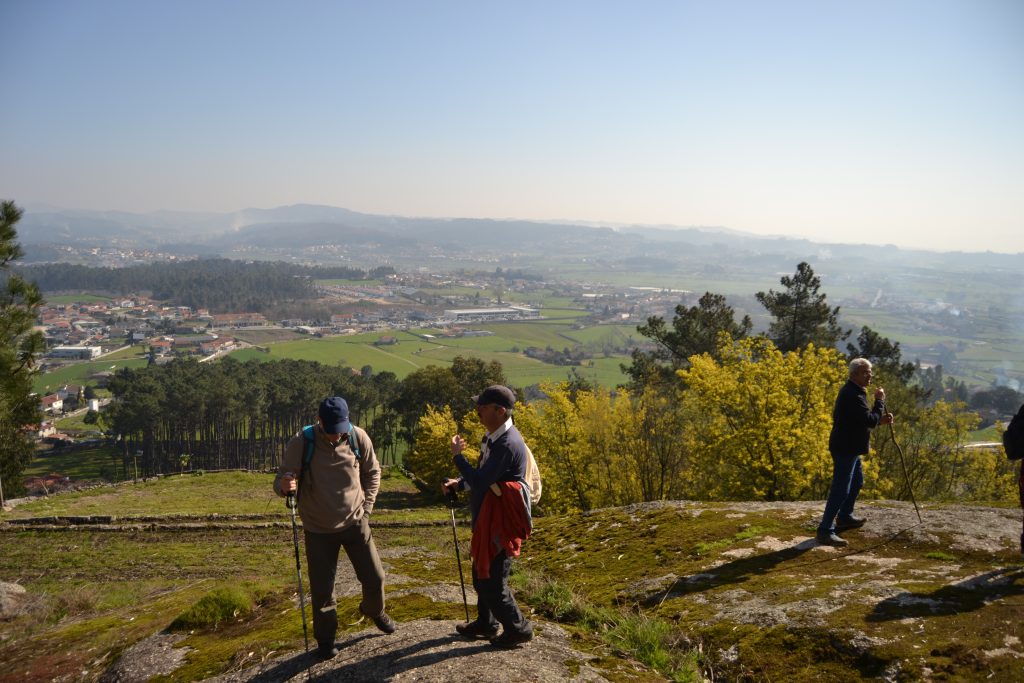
(651, 640)
(80, 373)
(989, 434)
(941, 556)
(655, 643)
(76, 424)
(135, 351)
(220, 493)
(705, 547)
(81, 464)
(220, 604)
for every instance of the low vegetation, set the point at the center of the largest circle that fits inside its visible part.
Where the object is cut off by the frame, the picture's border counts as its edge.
(684, 591)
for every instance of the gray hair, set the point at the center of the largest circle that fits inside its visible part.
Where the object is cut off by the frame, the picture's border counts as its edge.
(857, 363)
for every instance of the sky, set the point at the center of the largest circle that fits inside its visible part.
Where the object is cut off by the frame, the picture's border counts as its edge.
(875, 122)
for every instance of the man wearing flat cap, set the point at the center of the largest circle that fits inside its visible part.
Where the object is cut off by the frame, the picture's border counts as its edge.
(499, 502)
(336, 486)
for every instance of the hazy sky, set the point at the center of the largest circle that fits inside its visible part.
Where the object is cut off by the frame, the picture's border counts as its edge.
(895, 122)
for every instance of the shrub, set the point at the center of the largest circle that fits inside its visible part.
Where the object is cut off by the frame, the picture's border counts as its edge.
(212, 608)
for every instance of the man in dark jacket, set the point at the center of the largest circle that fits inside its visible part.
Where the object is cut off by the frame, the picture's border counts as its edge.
(852, 422)
(503, 461)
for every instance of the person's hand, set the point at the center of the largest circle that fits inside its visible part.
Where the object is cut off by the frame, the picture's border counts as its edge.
(879, 394)
(888, 419)
(288, 483)
(458, 444)
(450, 486)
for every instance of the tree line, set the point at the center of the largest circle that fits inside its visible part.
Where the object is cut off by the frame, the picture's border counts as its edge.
(226, 415)
(233, 414)
(219, 285)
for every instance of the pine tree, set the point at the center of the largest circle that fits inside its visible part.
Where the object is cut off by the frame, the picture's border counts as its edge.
(801, 314)
(19, 346)
(694, 331)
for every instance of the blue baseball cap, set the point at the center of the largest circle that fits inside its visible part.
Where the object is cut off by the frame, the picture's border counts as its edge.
(334, 415)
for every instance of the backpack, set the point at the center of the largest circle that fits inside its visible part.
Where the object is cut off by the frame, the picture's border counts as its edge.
(309, 434)
(1013, 437)
(533, 477)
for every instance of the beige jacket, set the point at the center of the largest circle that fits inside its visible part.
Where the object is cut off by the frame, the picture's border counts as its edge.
(336, 489)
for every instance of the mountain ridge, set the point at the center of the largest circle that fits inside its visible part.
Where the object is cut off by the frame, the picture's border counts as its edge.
(48, 224)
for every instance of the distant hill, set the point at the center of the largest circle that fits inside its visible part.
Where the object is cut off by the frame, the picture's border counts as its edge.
(303, 225)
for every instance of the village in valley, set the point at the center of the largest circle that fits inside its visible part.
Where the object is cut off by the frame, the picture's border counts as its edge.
(84, 328)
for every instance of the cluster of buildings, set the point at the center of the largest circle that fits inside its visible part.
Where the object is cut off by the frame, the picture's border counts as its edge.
(67, 398)
(83, 331)
(109, 323)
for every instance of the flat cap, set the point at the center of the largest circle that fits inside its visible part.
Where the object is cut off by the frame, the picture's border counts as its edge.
(498, 395)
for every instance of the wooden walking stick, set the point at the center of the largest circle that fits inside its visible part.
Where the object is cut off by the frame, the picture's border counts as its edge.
(906, 475)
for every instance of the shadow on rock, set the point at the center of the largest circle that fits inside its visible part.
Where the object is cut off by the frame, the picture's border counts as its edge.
(286, 668)
(736, 571)
(390, 662)
(966, 596)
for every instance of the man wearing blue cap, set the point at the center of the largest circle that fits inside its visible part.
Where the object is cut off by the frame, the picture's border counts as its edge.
(335, 490)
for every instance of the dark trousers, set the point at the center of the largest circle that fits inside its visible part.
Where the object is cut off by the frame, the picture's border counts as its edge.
(322, 552)
(847, 478)
(495, 603)
(1020, 489)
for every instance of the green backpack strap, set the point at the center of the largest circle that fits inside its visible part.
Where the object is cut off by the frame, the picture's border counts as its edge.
(309, 435)
(353, 442)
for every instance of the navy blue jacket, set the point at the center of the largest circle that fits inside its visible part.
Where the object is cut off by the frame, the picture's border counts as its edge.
(852, 420)
(506, 461)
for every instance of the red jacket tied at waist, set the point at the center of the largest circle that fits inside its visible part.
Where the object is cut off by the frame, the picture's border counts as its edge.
(502, 524)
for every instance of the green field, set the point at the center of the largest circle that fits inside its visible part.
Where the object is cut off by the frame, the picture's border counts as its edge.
(79, 373)
(76, 425)
(413, 352)
(259, 336)
(81, 464)
(137, 351)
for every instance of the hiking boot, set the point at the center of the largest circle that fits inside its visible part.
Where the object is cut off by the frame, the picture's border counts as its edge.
(511, 639)
(474, 629)
(326, 651)
(851, 522)
(830, 539)
(385, 623)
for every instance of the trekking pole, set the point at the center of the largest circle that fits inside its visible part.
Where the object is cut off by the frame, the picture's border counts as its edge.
(298, 573)
(906, 475)
(453, 502)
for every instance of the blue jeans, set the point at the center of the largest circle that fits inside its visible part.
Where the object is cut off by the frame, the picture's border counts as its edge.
(847, 478)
